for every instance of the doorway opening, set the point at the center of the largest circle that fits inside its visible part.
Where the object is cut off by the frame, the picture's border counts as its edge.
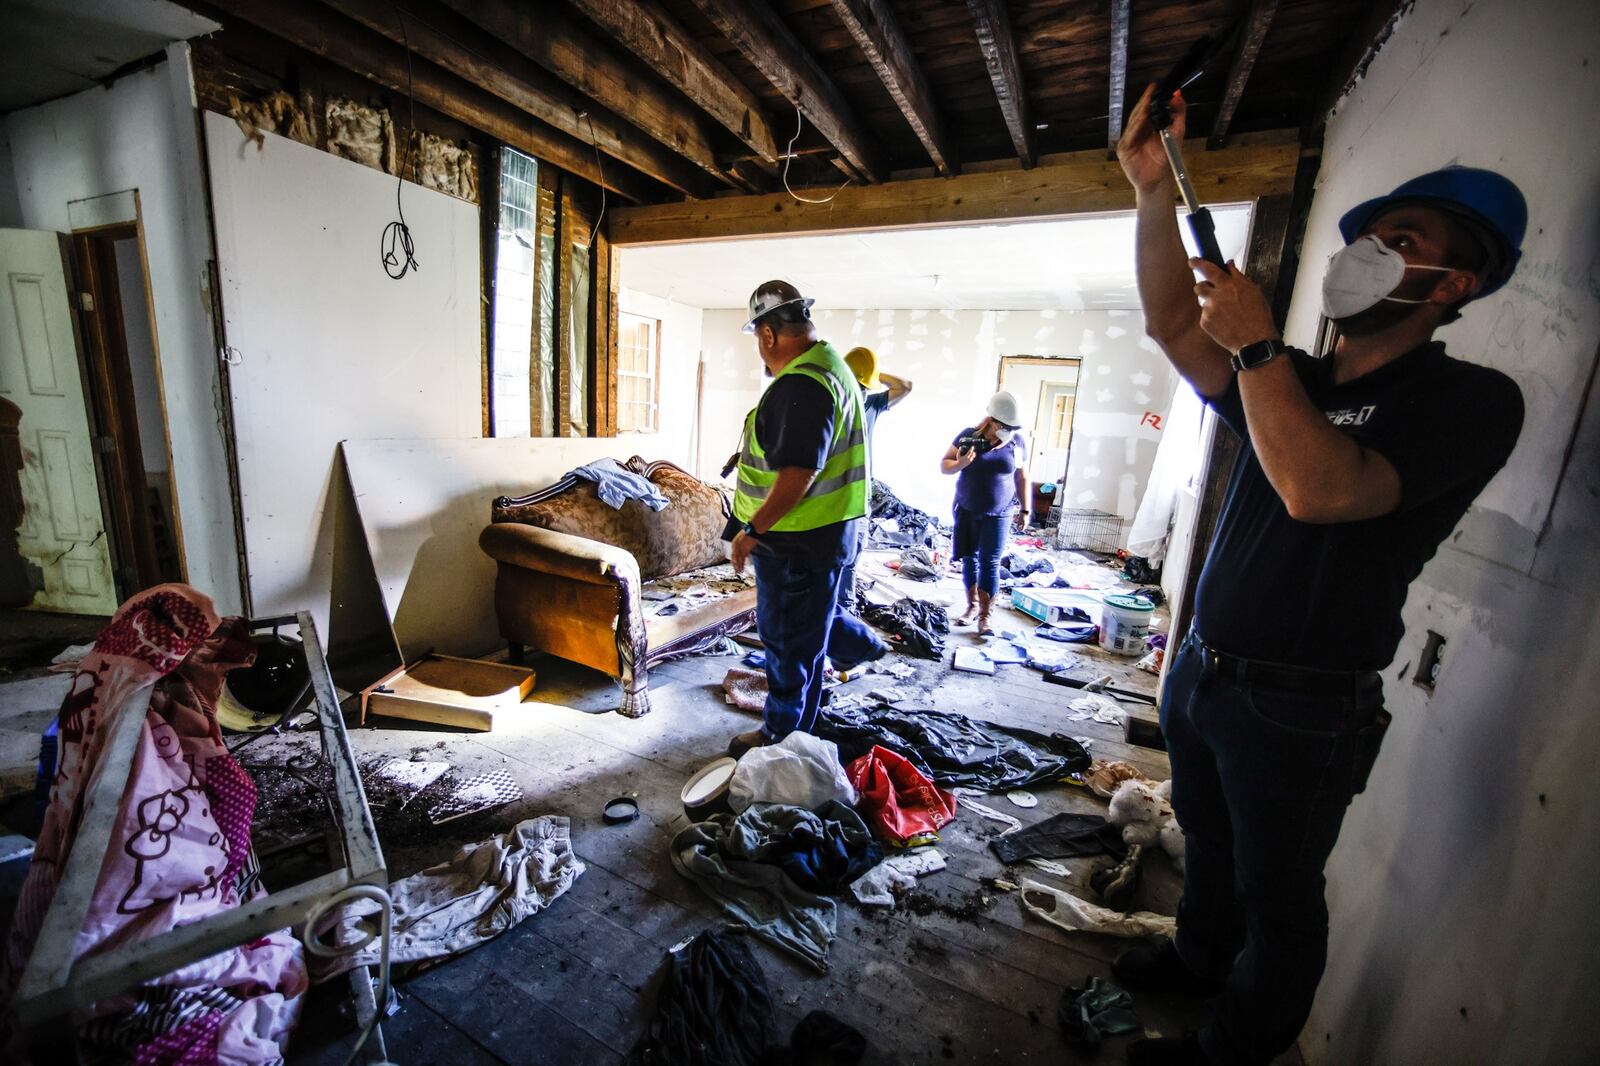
(127, 421)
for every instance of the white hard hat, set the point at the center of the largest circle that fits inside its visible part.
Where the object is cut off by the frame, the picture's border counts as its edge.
(771, 296)
(1003, 409)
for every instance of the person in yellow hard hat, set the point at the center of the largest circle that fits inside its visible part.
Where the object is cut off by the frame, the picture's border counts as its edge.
(881, 392)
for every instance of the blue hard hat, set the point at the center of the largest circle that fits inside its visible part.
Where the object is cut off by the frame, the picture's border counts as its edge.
(1490, 203)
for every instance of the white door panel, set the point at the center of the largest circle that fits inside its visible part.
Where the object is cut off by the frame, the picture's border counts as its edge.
(63, 531)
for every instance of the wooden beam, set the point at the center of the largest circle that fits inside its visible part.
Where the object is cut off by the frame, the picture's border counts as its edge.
(342, 42)
(883, 42)
(1120, 12)
(1082, 182)
(450, 41)
(542, 33)
(1255, 31)
(644, 28)
(756, 30)
(1377, 22)
(993, 23)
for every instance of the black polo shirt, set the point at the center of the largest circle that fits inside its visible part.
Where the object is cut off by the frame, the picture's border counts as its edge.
(1329, 596)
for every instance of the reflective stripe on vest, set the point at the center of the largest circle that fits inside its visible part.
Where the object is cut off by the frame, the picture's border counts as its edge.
(841, 488)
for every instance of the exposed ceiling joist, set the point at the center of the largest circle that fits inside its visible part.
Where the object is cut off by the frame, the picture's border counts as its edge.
(1377, 23)
(1244, 60)
(551, 39)
(342, 42)
(649, 32)
(772, 48)
(878, 32)
(1079, 183)
(993, 22)
(1120, 11)
(447, 39)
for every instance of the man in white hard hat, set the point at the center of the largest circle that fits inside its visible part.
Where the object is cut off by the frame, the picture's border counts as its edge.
(799, 504)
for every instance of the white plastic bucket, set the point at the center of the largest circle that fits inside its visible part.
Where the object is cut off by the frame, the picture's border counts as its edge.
(1124, 623)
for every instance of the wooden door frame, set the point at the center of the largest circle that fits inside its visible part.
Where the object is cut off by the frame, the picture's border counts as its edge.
(1046, 360)
(113, 410)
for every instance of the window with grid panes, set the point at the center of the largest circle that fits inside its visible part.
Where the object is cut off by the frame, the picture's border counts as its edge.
(638, 372)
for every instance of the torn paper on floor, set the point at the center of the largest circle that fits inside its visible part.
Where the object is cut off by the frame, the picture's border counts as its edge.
(483, 890)
(1075, 915)
(895, 876)
(1102, 709)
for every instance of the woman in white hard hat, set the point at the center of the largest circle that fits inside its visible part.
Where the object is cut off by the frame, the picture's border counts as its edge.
(990, 461)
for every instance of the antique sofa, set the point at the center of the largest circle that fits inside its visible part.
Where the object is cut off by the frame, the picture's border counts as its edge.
(617, 589)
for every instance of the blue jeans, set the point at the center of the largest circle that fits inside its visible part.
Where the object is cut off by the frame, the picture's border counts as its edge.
(1261, 779)
(795, 603)
(981, 549)
(850, 640)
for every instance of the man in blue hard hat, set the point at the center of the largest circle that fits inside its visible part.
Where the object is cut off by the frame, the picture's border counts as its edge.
(1354, 468)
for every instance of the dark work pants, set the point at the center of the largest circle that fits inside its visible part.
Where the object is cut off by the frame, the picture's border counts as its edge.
(795, 603)
(1261, 779)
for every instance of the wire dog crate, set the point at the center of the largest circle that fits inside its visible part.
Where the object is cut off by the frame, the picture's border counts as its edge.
(1084, 529)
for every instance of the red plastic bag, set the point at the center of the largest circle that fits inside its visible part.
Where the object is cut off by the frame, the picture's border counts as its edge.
(896, 801)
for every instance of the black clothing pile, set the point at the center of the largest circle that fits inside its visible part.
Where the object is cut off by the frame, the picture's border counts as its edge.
(1063, 836)
(918, 525)
(954, 750)
(919, 564)
(714, 1009)
(1099, 1009)
(917, 627)
(1016, 565)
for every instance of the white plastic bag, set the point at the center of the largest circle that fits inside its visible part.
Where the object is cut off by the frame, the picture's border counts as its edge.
(1080, 916)
(799, 770)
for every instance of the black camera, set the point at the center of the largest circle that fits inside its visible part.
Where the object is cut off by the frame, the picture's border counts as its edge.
(978, 443)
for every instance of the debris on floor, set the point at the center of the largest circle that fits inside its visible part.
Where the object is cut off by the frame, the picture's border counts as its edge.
(897, 800)
(745, 689)
(1075, 915)
(887, 882)
(481, 793)
(972, 661)
(407, 777)
(1065, 835)
(1099, 1009)
(800, 770)
(485, 889)
(916, 627)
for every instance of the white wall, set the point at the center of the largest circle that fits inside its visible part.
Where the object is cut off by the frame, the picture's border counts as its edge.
(953, 358)
(326, 346)
(139, 134)
(680, 359)
(1463, 888)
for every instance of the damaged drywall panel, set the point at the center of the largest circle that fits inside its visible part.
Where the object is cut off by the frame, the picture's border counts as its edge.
(1462, 889)
(138, 134)
(324, 345)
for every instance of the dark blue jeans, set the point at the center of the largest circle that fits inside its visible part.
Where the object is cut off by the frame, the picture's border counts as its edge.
(1261, 779)
(980, 549)
(795, 603)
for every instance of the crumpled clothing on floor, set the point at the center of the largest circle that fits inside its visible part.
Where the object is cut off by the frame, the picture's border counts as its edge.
(1099, 1009)
(715, 1009)
(895, 876)
(954, 750)
(919, 564)
(482, 891)
(732, 860)
(1080, 916)
(1061, 836)
(896, 799)
(917, 626)
(822, 851)
(919, 525)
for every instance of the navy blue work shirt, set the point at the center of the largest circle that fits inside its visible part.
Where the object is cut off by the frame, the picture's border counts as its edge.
(1329, 596)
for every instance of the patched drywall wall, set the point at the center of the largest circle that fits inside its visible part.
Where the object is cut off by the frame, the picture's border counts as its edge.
(953, 359)
(1462, 889)
(139, 134)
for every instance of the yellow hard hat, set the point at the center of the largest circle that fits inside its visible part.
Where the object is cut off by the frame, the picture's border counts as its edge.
(863, 363)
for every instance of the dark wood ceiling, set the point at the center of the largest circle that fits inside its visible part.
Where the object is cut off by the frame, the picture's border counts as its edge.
(699, 97)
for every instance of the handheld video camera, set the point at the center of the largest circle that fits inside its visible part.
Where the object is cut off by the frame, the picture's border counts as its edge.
(978, 443)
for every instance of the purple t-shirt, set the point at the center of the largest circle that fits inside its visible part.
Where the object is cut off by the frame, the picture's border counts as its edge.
(989, 484)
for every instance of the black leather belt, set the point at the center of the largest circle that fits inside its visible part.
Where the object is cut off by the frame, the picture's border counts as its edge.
(1352, 683)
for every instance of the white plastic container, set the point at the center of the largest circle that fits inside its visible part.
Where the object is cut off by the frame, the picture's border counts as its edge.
(1124, 623)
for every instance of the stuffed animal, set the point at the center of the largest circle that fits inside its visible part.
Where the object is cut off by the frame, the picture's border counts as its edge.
(1144, 812)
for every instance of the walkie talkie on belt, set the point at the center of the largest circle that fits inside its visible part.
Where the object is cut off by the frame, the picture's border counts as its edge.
(1191, 66)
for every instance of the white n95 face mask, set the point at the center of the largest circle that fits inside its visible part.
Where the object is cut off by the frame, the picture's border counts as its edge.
(1364, 273)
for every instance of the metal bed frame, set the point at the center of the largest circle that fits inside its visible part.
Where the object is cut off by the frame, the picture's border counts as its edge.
(55, 984)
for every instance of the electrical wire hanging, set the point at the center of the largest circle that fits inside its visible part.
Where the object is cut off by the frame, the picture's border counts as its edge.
(396, 237)
(600, 167)
(788, 157)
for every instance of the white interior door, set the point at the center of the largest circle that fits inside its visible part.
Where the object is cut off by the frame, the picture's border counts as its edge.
(63, 531)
